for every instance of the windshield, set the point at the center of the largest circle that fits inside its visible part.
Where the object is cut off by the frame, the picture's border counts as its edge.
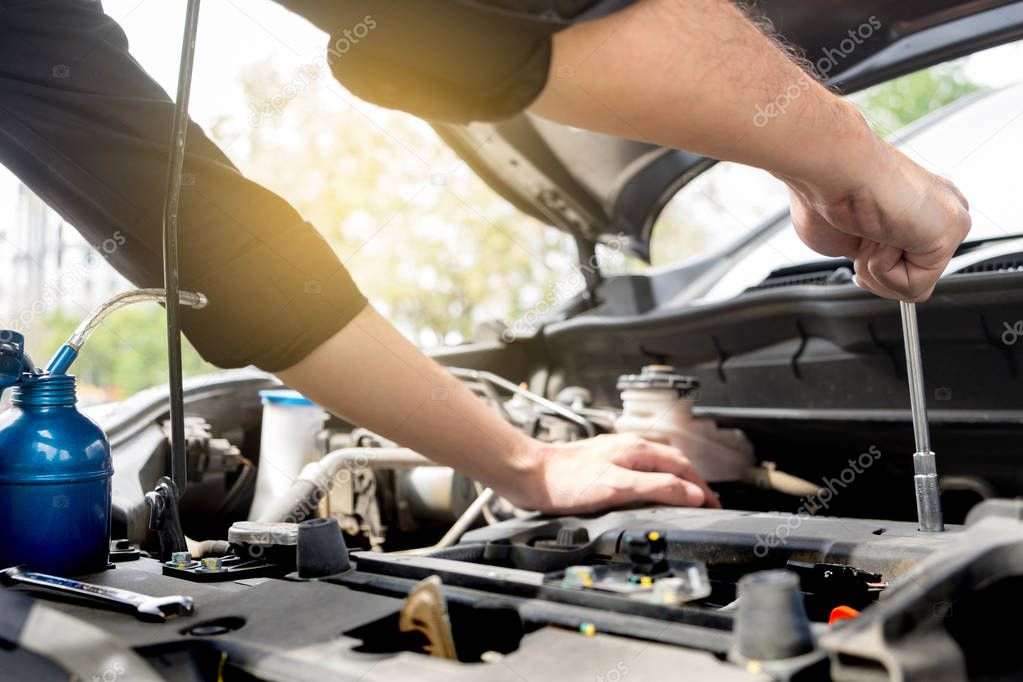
(973, 137)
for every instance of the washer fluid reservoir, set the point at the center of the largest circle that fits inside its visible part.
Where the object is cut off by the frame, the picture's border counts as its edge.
(657, 404)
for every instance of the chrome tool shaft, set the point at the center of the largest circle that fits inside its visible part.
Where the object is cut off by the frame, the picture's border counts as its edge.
(925, 478)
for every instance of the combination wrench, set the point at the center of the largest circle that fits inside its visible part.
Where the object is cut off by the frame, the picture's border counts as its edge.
(144, 606)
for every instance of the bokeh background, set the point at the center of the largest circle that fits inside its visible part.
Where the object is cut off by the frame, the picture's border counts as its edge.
(435, 249)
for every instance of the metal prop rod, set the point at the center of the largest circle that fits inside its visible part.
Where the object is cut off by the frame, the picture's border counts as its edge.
(172, 199)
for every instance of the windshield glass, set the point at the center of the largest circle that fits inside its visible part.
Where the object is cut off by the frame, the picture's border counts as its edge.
(973, 137)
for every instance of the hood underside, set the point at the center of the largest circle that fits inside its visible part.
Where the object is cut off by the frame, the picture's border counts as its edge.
(597, 187)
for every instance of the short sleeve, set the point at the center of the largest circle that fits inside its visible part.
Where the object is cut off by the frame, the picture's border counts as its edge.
(443, 60)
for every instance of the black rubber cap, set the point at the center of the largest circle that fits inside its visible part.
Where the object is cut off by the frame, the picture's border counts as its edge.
(321, 549)
(771, 622)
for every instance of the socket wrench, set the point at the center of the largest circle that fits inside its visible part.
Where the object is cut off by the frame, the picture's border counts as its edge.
(145, 607)
(925, 478)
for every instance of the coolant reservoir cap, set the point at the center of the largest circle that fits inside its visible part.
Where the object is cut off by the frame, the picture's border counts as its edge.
(659, 376)
(265, 534)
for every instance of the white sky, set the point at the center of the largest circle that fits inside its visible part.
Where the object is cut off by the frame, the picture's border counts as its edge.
(232, 34)
(235, 33)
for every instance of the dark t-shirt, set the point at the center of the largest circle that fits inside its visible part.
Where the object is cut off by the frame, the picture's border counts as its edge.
(87, 130)
(450, 60)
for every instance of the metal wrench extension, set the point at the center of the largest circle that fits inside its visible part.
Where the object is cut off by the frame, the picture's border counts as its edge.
(925, 478)
(144, 606)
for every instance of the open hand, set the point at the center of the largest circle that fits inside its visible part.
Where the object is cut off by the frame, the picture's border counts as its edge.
(611, 471)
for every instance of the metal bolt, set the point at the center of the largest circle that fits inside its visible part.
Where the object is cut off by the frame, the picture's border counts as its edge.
(180, 559)
(212, 563)
(578, 577)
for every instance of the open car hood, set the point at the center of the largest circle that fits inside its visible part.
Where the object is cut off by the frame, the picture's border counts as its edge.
(599, 187)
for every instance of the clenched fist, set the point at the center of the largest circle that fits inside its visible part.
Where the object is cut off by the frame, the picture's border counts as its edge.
(897, 222)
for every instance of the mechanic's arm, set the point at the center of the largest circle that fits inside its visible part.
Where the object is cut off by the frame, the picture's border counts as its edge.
(697, 75)
(371, 375)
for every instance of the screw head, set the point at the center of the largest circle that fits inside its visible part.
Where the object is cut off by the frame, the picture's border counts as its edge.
(212, 563)
(180, 559)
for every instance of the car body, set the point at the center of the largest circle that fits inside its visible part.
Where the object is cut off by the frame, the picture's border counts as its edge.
(777, 344)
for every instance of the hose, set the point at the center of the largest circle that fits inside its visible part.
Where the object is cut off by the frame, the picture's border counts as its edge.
(488, 514)
(245, 477)
(465, 521)
(491, 378)
(314, 481)
(202, 548)
(768, 477)
(66, 354)
(458, 529)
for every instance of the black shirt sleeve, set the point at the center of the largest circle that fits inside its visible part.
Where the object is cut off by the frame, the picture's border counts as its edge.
(85, 128)
(442, 60)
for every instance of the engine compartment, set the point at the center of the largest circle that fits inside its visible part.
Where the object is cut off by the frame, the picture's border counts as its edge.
(827, 497)
(512, 613)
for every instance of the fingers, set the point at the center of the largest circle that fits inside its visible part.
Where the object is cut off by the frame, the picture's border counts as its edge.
(644, 455)
(816, 233)
(890, 272)
(668, 489)
(900, 229)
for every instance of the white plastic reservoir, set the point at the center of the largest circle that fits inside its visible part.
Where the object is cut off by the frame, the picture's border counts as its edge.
(288, 442)
(657, 404)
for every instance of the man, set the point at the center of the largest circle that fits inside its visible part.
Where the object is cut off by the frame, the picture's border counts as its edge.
(87, 129)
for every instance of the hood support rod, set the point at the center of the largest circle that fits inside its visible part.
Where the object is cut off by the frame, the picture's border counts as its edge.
(172, 200)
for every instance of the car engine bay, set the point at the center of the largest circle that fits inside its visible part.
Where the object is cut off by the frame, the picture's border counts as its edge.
(417, 570)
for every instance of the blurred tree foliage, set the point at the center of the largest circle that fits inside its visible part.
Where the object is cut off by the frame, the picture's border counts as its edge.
(433, 247)
(731, 200)
(899, 102)
(428, 242)
(127, 353)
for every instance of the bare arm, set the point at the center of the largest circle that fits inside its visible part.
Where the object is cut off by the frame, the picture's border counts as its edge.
(697, 75)
(371, 375)
(691, 74)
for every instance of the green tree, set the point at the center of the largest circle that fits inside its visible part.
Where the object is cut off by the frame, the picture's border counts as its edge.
(126, 354)
(897, 103)
(431, 245)
(709, 212)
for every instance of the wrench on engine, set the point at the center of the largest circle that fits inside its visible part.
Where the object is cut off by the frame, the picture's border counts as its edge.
(925, 478)
(144, 606)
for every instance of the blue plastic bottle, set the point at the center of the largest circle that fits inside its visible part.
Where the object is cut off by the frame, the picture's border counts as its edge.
(55, 471)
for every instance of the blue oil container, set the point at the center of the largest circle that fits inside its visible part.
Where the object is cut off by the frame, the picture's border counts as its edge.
(55, 471)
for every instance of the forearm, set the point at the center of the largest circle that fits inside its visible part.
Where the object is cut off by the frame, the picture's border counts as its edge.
(371, 375)
(697, 75)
